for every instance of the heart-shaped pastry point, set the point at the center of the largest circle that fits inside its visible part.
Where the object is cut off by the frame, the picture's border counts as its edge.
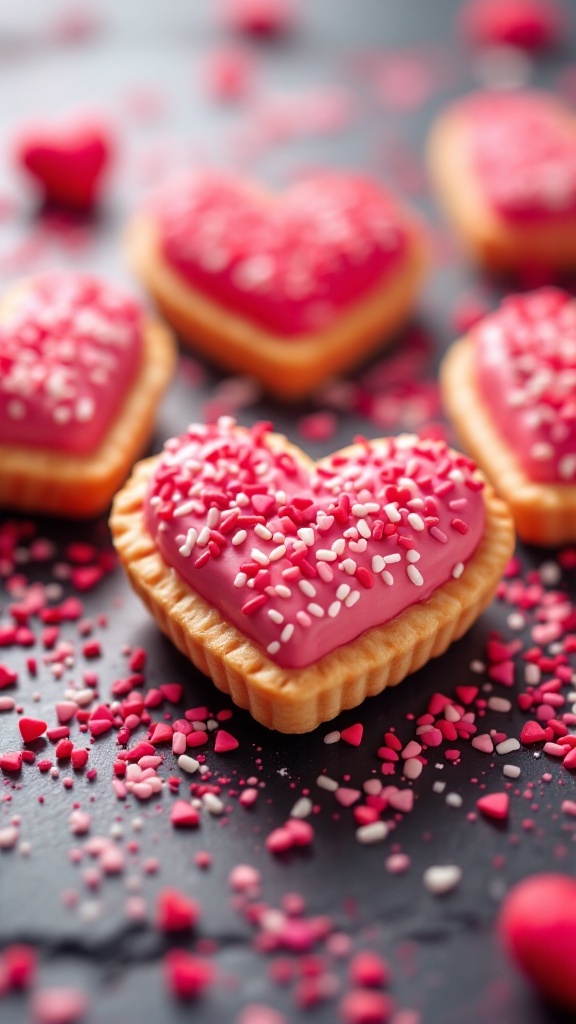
(70, 346)
(526, 367)
(305, 557)
(291, 263)
(523, 150)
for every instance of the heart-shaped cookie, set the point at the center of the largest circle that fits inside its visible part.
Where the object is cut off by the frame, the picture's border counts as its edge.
(289, 288)
(81, 371)
(505, 168)
(302, 588)
(67, 159)
(510, 387)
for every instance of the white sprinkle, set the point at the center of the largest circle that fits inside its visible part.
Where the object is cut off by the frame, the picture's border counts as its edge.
(477, 666)
(392, 513)
(307, 588)
(416, 521)
(306, 534)
(442, 878)
(550, 573)
(273, 647)
(454, 800)
(413, 556)
(339, 545)
(507, 746)
(458, 570)
(390, 559)
(239, 537)
(511, 771)
(375, 832)
(275, 616)
(287, 632)
(277, 553)
(188, 764)
(532, 674)
(343, 591)
(332, 737)
(516, 621)
(323, 555)
(240, 580)
(259, 556)
(324, 781)
(499, 704)
(363, 529)
(348, 566)
(302, 808)
(316, 610)
(334, 608)
(359, 510)
(352, 599)
(262, 531)
(190, 543)
(387, 578)
(439, 786)
(283, 591)
(213, 804)
(414, 575)
(378, 563)
(184, 509)
(213, 518)
(567, 467)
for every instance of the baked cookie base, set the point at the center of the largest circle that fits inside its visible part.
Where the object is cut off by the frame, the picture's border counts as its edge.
(298, 700)
(494, 241)
(544, 514)
(82, 486)
(289, 368)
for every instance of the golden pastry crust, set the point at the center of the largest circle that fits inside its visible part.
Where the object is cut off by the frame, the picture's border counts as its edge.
(544, 513)
(289, 368)
(81, 486)
(493, 240)
(298, 700)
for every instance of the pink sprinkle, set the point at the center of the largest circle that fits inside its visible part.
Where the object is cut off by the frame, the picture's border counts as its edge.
(319, 426)
(353, 734)
(58, 1006)
(494, 805)
(224, 742)
(364, 1007)
(186, 976)
(346, 796)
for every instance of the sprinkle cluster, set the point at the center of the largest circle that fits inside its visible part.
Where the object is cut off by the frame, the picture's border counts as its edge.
(524, 151)
(305, 561)
(69, 344)
(527, 357)
(289, 263)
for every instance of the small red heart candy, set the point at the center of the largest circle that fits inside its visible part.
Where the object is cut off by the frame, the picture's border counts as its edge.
(31, 729)
(67, 160)
(538, 927)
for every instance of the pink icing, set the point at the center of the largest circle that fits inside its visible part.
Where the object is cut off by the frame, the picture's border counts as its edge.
(290, 264)
(523, 148)
(70, 346)
(305, 563)
(526, 365)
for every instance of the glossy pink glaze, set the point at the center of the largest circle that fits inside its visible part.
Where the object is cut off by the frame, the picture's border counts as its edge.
(526, 370)
(305, 563)
(523, 148)
(70, 346)
(290, 264)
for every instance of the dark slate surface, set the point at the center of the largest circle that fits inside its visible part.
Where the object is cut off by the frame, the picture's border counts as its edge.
(446, 961)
